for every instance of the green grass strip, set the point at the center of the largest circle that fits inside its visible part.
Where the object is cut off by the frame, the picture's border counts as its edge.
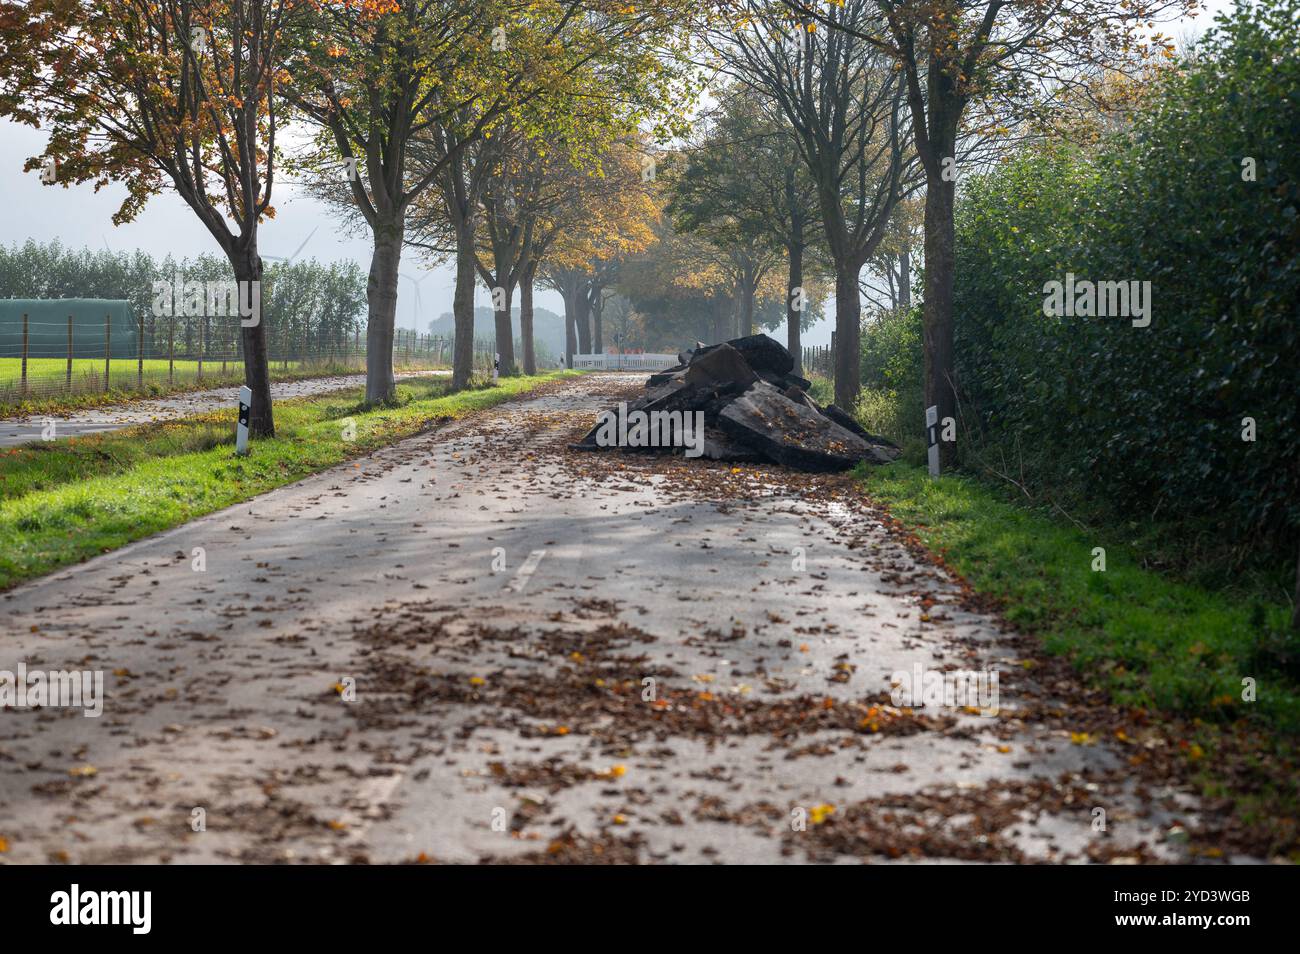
(1150, 640)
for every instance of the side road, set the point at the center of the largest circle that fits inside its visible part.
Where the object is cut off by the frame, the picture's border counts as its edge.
(96, 420)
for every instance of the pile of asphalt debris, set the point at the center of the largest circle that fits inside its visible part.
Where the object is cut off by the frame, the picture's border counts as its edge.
(738, 401)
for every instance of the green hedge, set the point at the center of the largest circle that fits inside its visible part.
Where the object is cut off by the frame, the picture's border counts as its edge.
(893, 399)
(1150, 419)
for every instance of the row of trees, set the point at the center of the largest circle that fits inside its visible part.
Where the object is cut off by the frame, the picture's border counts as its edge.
(842, 125)
(511, 135)
(311, 301)
(415, 107)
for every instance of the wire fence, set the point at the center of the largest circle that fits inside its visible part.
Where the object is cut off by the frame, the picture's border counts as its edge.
(43, 359)
(819, 361)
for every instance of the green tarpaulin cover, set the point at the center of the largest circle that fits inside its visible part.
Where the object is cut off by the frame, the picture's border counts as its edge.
(47, 327)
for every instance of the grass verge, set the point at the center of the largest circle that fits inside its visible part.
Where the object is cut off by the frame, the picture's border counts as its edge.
(64, 502)
(1152, 642)
(47, 396)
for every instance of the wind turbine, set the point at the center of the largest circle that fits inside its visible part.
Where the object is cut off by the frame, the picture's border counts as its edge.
(289, 260)
(416, 305)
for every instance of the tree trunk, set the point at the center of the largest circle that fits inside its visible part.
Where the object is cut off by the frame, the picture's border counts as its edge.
(582, 317)
(570, 327)
(597, 331)
(526, 319)
(381, 296)
(905, 280)
(721, 319)
(737, 308)
(848, 318)
(462, 306)
(505, 335)
(793, 309)
(937, 318)
(257, 366)
(747, 305)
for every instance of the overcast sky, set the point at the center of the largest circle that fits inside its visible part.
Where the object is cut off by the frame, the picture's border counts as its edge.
(79, 216)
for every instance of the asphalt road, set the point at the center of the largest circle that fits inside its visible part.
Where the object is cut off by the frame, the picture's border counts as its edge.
(479, 645)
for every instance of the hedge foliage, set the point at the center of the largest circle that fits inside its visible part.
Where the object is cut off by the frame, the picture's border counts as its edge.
(1151, 419)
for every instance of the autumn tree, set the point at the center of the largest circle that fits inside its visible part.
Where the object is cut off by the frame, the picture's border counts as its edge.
(376, 77)
(846, 107)
(512, 201)
(683, 289)
(541, 190)
(891, 264)
(743, 183)
(152, 93)
(680, 288)
(557, 65)
(610, 215)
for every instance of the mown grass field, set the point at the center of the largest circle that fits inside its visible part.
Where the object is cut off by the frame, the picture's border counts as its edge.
(44, 372)
(63, 502)
(47, 389)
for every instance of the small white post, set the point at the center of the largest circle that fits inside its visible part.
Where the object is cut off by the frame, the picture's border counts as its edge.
(241, 433)
(496, 366)
(932, 437)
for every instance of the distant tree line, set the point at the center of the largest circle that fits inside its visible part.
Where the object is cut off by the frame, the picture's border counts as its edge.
(308, 306)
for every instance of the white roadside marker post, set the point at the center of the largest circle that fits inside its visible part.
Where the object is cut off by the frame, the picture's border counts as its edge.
(496, 366)
(241, 433)
(932, 437)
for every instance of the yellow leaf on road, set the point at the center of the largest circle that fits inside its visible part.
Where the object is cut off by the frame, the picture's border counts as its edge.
(819, 813)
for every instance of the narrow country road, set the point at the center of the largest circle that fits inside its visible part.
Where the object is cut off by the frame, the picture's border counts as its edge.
(94, 420)
(479, 645)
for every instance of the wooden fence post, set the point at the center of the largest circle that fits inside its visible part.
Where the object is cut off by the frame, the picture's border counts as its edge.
(24, 386)
(203, 334)
(139, 357)
(68, 377)
(171, 351)
(108, 348)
